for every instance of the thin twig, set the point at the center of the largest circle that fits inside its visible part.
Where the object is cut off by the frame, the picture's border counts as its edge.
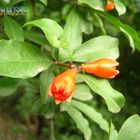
(63, 64)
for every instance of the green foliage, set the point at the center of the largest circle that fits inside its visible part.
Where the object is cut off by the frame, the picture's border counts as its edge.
(113, 98)
(80, 121)
(51, 29)
(72, 32)
(107, 48)
(11, 31)
(82, 92)
(8, 86)
(21, 59)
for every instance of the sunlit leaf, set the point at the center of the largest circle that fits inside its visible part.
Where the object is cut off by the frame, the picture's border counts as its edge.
(120, 7)
(113, 98)
(130, 129)
(99, 47)
(21, 60)
(95, 4)
(51, 29)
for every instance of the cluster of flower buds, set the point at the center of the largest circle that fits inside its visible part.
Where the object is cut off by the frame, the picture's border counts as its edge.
(110, 5)
(63, 85)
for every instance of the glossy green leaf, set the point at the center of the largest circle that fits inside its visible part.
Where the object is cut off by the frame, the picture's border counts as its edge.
(13, 29)
(92, 114)
(82, 92)
(95, 4)
(72, 30)
(46, 78)
(36, 38)
(72, 37)
(120, 7)
(80, 121)
(21, 60)
(99, 47)
(51, 29)
(130, 33)
(113, 98)
(8, 86)
(130, 130)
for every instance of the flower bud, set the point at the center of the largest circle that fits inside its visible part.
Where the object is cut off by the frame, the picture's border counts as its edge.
(109, 6)
(103, 68)
(63, 86)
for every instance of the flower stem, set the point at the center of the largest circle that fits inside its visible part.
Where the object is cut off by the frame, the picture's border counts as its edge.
(63, 64)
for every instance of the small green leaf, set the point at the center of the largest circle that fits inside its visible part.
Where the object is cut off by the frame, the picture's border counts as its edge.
(92, 114)
(72, 36)
(80, 121)
(8, 86)
(95, 4)
(130, 129)
(113, 98)
(21, 60)
(82, 92)
(13, 29)
(36, 37)
(51, 29)
(46, 78)
(120, 7)
(99, 47)
(130, 33)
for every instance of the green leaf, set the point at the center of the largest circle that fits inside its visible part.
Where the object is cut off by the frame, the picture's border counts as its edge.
(64, 106)
(82, 92)
(44, 2)
(72, 37)
(8, 86)
(120, 7)
(113, 98)
(99, 47)
(99, 23)
(95, 4)
(15, 2)
(21, 60)
(72, 30)
(87, 26)
(130, 129)
(36, 37)
(92, 114)
(113, 134)
(51, 29)
(80, 121)
(13, 29)
(130, 33)
(46, 78)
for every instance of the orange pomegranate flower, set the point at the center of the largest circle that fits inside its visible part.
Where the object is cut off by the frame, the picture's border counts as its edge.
(109, 6)
(103, 68)
(63, 86)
